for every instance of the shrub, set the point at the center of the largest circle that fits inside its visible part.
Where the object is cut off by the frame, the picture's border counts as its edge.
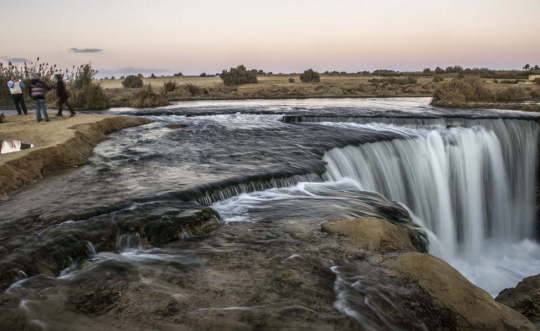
(169, 86)
(178, 74)
(90, 96)
(146, 97)
(456, 92)
(112, 77)
(192, 89)
(203, 74)
(510, 81)
(310, 76)
(140, 76)
(291, 80)
(496, 81)
(132, 82)
(537, 81)
(427, 71)
(153, 76)
(437, 79)
(238, 76)
(512, 94)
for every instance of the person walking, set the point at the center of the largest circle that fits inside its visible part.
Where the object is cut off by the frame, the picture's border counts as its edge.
(37, 90)
(63, 95)
(15, 87)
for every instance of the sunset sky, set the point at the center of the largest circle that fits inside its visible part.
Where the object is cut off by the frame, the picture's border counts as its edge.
(131, 36)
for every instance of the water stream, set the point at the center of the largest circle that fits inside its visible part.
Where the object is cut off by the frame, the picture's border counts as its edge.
(274, 170)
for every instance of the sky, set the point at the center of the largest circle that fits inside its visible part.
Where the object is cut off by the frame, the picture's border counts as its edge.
(138, 36)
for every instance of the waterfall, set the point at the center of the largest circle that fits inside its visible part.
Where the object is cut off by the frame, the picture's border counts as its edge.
(470, 185)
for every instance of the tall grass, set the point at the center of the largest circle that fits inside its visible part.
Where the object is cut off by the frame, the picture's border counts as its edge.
(85, 94)
(146, 97)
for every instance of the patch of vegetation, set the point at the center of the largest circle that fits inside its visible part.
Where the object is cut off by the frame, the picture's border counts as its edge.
(514, 81)
(169, 86)
(310, 76)
(394, 81)
(146, 97)
(458, 92)
(291, 80)
(437, 78)
(192, 89)
(178, 74)
(132, 81)
(238, 76)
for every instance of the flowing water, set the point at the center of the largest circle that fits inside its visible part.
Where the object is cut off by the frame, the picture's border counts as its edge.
(274, 170)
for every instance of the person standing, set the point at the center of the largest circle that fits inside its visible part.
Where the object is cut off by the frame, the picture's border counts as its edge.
(37, 90)
(63, 95)
(15, 87)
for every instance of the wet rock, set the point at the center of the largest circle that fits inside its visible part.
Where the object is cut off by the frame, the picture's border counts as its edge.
(196, 222)
(98, 295)
(524, 298)
(472, 307)
(371, 233)
(176, 126)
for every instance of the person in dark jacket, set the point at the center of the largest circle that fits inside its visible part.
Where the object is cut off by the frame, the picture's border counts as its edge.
(63, 95)
(15, 87)
(37, 90)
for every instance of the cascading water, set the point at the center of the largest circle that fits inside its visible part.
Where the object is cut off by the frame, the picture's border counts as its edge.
(473, 187)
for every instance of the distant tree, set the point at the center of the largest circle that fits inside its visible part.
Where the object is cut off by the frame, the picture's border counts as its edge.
(178, 74)
(203, 74)
(122, 77)
(112, 77)
(152, 76)
(238, 76)
(140, 76)
(439, 70)
(427, 71)
(526, 67)
(536, 67)
(260, 72)
(269, 73)
(310, 76)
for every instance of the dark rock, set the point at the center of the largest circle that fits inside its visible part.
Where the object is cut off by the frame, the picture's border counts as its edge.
(524, 298)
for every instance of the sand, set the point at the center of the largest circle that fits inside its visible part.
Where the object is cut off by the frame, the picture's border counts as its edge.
(59, 144)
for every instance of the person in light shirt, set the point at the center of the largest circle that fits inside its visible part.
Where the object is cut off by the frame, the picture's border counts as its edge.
(15, 87)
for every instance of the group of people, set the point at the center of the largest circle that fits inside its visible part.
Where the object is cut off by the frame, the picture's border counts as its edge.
(37, 90)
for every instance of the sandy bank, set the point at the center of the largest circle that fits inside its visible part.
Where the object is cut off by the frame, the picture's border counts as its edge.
(61, 143)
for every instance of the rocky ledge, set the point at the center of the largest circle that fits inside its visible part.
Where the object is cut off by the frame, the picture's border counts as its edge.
(436, 292)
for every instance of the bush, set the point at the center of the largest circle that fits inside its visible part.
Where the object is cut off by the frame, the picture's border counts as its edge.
(146, 97)
(291, 80)
(192, 89)
(169, 86)
(512, 81)
(457, 92)
(537, 81)
(203, 74)
(178, 74)
(90, 96)
(132, 82)
(153, 76)
(238, 76)
(310, 76)
(512, 94)
(140, 76)
(437, 79)
(496, 81)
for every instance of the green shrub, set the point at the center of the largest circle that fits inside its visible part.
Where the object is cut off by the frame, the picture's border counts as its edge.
(132, 81)
(203, 74)
(146, 97)
(310, 76)
(238, 76)
(291, 80)
(169, 86)
(437, 79)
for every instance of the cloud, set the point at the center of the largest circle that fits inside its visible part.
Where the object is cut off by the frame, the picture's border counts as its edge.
(86, 50)
(15, 59)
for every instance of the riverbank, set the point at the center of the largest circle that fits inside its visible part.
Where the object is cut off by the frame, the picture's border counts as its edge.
(59, 144)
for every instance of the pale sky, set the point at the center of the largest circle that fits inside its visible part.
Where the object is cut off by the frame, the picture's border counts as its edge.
(165, 36)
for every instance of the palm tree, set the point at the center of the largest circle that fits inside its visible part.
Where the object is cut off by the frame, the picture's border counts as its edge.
(526, 67)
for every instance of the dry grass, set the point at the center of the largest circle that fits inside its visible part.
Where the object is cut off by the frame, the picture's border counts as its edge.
(146, 97)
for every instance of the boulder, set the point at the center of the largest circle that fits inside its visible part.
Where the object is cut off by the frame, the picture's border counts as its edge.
(472, 307)
(524, 298)
(371, 233)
